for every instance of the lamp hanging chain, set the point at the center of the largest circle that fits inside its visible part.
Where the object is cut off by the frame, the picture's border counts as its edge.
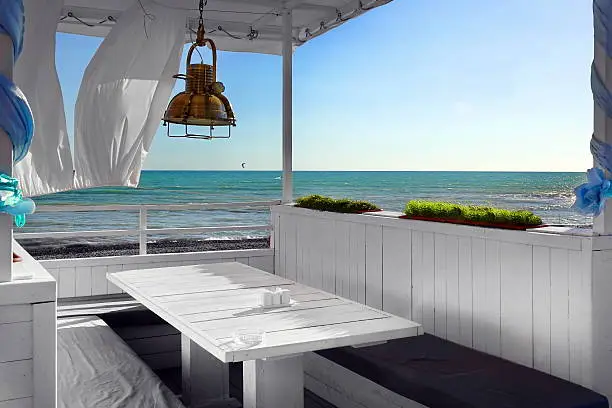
(200, 34)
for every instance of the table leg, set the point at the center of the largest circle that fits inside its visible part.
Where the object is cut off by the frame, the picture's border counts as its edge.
(274, 383)
(205, 378)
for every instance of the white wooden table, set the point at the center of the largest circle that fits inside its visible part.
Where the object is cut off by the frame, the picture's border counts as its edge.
(209, 303)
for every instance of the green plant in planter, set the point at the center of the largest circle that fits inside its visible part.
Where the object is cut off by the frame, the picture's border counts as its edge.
(470, 213)
(344, 205)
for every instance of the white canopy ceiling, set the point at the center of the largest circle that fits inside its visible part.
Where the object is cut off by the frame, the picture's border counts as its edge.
(234, 25)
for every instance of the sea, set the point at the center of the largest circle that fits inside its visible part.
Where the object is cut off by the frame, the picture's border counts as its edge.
(549, 195)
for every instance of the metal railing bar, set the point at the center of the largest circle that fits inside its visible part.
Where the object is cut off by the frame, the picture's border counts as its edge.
(153, 207)
(76, 234)
(165, 231)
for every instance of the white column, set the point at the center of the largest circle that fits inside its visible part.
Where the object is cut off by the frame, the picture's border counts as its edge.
(6, 166)
(602, 125)
(287, 106)
(142, 227)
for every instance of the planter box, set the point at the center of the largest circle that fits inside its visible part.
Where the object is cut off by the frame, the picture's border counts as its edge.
(336, 212)
(474, 223)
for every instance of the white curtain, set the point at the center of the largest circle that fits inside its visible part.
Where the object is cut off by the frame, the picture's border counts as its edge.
(48, 166)
(124, 93)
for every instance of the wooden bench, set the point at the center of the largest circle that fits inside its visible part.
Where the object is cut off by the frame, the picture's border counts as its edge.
(432, 372)
(98, 369)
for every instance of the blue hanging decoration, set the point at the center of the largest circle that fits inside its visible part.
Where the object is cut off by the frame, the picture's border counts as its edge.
(16, 119)
(12, 23)
(592, 195)
(12, 202)
(602, 23)
(15, 115)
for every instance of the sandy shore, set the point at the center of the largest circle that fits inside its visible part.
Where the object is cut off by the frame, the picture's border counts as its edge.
(43, 249)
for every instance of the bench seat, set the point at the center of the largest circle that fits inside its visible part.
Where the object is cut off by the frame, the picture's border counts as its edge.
(439, 374)
(98, 369)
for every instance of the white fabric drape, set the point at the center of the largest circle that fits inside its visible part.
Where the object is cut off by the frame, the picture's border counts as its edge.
(124, 93)
(47, 168)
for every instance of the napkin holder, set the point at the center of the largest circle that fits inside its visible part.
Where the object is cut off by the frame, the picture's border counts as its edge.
(275, 298)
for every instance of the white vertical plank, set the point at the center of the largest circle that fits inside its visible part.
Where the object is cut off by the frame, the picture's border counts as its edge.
(300, 257)
(587, 317)
(440, 285)
(516, 303)
(67, 283)
(281, 243)
(397, 273)
(541, 308)
(290, 247)
(328, 269)
(465, 291)
(98, 280)
(479, 273)
(417, 276)
(559, 313)
(342, 258)
(493, 298)
(83, 281)
(374, 284)
(275, 241)
(111, 288)
(601, 323)
(316, 253)
(44, 358)
(357, 268)
(427, 271)
(578, 328)
(453, 332)
(309, 252)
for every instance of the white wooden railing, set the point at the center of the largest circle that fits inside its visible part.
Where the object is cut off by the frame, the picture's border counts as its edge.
(143, 230)
(539, 298)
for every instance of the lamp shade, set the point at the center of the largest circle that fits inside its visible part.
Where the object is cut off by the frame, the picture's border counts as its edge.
(202, 103)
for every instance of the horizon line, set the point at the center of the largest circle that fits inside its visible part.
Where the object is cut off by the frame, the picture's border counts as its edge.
(364, 171)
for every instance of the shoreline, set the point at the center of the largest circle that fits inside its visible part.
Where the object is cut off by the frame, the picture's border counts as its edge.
(48, 249)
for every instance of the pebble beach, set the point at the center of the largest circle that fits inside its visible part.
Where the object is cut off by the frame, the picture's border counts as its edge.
(47, 249)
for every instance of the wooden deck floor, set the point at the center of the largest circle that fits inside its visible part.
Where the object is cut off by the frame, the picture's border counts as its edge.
(172, 378)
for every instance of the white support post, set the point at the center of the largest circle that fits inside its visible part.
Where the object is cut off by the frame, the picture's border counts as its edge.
(600, 358)
(142, 227)
(6, 166)
(602, 125)
(287, 106)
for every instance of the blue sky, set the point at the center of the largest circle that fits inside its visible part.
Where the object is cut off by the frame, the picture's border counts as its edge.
(414, 85)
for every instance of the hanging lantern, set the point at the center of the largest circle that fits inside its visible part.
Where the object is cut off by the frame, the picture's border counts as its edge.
(202, 103)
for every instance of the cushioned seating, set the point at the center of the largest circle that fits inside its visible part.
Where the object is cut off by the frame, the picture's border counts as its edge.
(97, 369)
(440, 374)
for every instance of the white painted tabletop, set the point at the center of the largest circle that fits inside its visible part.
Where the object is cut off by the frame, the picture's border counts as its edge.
(209, 303)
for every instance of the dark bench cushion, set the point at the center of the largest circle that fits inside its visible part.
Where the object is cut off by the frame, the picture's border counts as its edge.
(441, 374)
